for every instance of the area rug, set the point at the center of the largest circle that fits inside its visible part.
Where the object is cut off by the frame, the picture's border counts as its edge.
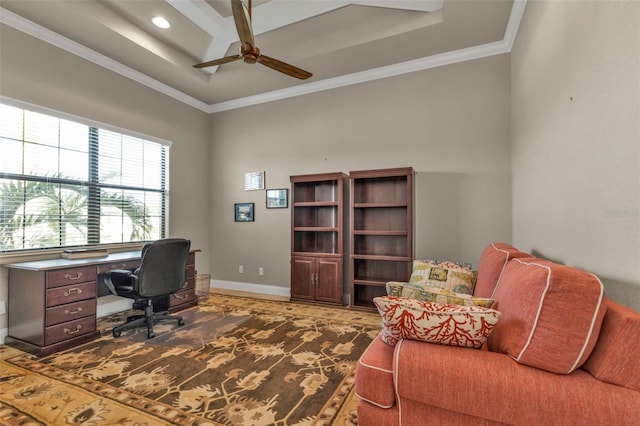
(236, 361)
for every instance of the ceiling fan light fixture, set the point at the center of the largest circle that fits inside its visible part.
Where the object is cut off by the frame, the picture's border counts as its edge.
(160, 22)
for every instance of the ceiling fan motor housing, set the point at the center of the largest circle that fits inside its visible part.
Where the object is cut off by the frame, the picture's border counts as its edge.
(250, 56)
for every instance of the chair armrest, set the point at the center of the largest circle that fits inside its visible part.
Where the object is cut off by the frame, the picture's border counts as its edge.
(119, 278)
(119, 272)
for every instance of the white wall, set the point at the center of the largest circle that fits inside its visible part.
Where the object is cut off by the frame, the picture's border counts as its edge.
(450, 124)
(575, 134)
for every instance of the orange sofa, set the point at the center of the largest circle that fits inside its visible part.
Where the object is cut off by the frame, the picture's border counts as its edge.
(560, 354)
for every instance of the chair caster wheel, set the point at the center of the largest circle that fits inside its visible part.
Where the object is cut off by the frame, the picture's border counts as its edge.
(180, 322)
(116, 333)
(151, 335)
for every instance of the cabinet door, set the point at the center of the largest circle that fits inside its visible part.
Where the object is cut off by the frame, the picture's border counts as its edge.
(329, 280)
(302, 273)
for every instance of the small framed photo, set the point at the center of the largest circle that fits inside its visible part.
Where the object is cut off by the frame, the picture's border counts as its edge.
(253, 181)
(277, 198)
(244, 212)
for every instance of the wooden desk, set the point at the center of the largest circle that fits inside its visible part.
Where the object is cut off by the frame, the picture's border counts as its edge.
(52, 303)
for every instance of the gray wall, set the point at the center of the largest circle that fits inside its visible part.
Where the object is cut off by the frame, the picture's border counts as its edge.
(35, 72)
(575, 133)
(450, 124)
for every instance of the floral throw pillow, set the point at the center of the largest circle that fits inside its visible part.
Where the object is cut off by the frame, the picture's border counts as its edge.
(453, 325)
(445, 275)
(435, 294)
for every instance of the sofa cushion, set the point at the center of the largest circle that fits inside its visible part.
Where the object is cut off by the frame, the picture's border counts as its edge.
(491, 386)
(551, 314)
(616, 357)
(374, 375)
(435, 294)
(452, 325)
(492, 262)
(446, 275)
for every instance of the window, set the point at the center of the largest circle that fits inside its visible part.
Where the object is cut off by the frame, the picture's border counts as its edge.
(66, 183)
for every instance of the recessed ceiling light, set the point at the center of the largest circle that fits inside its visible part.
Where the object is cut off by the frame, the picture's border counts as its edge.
(160, 22)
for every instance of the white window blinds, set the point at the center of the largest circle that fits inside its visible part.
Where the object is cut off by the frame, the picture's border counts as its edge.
(65, 183)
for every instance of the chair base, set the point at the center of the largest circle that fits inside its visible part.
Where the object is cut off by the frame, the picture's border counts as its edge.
(148, 319)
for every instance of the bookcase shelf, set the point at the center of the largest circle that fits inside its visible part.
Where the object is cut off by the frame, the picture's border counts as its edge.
(381, 232)
(317, 237)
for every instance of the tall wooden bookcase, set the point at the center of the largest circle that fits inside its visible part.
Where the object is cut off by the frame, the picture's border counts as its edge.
(317, 237)
(381, 232)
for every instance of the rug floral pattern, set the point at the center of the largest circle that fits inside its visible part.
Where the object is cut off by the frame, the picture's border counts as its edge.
(237, 361)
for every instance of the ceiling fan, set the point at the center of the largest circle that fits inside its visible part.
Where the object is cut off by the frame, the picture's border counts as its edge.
(249, 52)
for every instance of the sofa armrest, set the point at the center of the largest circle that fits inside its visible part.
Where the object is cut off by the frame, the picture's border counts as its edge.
(374, 375)
(493, 386)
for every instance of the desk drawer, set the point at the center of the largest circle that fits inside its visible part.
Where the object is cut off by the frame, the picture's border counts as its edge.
(69, 330)
(191, 271)
(70, 311)
(128, 264)
(190, 283)
(71, 293)
(71, 276)
(183, 296)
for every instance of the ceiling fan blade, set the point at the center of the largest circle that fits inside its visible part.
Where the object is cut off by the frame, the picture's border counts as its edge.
(283, 67)
(242, 19)
(220, 61)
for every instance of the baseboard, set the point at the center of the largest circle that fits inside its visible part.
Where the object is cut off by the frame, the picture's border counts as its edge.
(252, 288)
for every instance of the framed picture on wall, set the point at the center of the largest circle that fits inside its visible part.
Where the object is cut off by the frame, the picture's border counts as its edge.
(253, 181)
(244, 212)
(277, 198)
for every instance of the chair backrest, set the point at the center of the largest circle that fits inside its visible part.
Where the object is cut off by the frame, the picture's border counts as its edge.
(163, 267)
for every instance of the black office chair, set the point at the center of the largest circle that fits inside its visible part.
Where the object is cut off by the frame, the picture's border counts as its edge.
(162, 272)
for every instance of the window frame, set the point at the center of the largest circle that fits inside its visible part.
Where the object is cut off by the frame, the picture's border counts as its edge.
(93, 185)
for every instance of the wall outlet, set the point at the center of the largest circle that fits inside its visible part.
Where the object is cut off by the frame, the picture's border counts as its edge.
(260, 270)
(241, 269)
(3, 308)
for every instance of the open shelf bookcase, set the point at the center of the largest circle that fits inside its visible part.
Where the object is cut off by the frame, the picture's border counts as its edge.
(381, 232)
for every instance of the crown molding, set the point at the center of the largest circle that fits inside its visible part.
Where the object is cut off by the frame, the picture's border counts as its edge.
(31, 28)
(428, 62)
(467, 54)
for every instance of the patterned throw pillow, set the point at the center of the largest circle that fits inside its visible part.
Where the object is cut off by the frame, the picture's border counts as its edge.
(435, 294)
(445, 275)
(452, 325)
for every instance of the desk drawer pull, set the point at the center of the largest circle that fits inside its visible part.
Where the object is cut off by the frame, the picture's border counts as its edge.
(70, 278)
(77, 330)
(180, 297)
(77, 311)
(72, 290)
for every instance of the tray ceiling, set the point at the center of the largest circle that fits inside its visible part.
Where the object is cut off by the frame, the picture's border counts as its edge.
(341, 42)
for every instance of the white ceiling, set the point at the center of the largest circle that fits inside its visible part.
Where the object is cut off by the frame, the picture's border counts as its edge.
(341, 42)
